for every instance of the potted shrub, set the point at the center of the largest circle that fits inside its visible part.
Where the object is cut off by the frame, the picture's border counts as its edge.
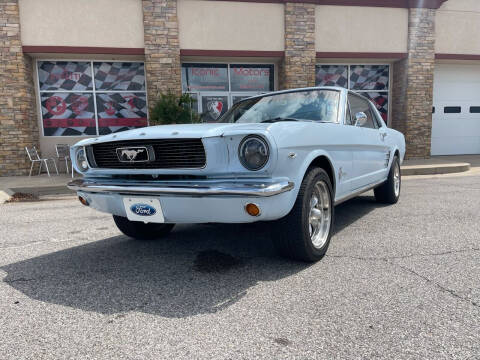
(172, 108)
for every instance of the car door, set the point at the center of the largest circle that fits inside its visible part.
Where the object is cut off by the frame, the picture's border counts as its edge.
(370, 150)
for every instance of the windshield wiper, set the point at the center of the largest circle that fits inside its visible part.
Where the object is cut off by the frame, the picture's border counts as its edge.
(277, 119)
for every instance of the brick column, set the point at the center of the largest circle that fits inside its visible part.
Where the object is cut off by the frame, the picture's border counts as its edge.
(18, 119)
(413, 84)
(162, 49)
(298, 68)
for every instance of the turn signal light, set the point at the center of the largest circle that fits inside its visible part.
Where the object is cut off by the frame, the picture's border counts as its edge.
(252, 209)
(83, 200)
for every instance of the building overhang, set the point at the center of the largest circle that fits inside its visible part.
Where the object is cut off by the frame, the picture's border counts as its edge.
(406, 4)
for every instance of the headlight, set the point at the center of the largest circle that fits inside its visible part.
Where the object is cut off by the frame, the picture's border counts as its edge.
(253, 152)
(82, 160)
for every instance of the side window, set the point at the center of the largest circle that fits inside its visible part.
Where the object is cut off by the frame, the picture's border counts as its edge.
(358, 104)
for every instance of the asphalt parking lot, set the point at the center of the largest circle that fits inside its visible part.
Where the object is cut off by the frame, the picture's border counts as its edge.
(398, 282)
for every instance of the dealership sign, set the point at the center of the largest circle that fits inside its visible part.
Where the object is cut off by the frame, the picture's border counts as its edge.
(251, 78)
(214, 77)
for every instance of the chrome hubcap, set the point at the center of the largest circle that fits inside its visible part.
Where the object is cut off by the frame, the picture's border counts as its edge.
(396, 179)
(320, 215)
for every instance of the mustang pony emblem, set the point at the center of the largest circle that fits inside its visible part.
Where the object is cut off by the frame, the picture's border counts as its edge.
(133, 154)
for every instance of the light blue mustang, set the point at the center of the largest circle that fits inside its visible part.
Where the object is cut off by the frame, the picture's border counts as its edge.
(288, 156)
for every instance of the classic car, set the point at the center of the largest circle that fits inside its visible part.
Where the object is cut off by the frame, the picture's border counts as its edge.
(286, 157)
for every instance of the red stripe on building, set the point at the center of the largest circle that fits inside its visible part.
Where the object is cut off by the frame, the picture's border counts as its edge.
(67, 123)
(361, 55)
(82, 50)
(232, 53)
(137, 122)
(457, 57)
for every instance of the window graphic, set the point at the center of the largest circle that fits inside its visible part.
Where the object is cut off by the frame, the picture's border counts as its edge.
(68, 114)
(204, 77)
(121, 111)
(329, 75)
(371, 81)
(251, 77)
(64, 75)
(77, 102)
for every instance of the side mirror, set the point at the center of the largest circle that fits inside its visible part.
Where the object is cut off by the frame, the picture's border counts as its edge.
(360, 119)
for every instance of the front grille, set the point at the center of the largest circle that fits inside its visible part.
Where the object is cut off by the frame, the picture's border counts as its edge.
(169, 154)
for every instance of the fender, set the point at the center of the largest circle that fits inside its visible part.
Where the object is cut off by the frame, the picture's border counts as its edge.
(307, 161)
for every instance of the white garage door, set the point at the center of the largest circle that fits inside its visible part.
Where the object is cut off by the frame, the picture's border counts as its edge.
(456, 117)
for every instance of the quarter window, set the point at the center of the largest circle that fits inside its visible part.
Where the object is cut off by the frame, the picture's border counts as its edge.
(80, 98)
(357, 104)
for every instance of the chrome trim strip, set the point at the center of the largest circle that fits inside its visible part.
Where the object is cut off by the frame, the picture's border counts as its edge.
(358, 192)
(256, 189)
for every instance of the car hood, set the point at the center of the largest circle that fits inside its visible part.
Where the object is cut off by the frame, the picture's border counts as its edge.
(179, 131)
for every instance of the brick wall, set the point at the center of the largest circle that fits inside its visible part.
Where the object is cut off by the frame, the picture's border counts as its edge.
(298, 69)
(413, 84)
(162, 49)
(18, 119)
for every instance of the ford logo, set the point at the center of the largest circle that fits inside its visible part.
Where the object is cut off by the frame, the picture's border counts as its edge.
(143, 209)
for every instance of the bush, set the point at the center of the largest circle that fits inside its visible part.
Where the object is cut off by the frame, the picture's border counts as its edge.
(171, 108)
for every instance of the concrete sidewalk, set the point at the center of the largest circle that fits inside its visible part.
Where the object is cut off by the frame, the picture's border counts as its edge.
(56, 184)
(440, 165)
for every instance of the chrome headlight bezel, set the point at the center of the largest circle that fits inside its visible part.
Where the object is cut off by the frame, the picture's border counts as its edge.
(242, 147)
(81, 159)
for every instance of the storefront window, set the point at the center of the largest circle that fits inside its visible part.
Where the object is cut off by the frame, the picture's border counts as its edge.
(251, 78)
(77, 102)
(218, 86)
(204, 77)
(371, 81)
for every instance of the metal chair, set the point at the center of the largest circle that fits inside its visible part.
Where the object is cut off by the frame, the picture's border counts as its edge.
(63, 154)
(34, 157)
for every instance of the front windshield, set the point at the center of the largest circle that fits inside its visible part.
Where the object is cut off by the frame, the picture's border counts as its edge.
(309, 105)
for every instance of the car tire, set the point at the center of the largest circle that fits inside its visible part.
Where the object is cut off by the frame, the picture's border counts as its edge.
(304, 234)
(389, 191)
(141, 231)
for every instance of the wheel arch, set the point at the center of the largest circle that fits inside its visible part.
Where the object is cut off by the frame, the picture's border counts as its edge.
(324, 162)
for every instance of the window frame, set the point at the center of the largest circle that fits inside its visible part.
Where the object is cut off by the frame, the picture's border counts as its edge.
(93, 91)
(350, 64)
(229, 91)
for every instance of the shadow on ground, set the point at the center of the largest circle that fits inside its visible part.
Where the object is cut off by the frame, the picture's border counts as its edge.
(196, 269)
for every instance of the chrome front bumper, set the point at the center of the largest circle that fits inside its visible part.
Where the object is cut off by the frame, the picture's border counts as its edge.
(187, 188)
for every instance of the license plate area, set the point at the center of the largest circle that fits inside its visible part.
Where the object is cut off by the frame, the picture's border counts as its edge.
(143, 209)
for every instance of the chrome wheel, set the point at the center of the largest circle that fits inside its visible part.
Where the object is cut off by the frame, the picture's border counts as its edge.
(320, 216)
(396, 179)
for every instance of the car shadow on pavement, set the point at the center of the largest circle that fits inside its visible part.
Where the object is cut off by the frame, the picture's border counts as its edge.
(197, 269)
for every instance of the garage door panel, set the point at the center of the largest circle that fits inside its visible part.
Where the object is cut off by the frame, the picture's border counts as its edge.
(456, 127)
(457, 145)
(455, 133)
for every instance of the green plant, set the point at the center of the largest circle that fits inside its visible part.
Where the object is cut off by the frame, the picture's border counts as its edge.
(172, 108)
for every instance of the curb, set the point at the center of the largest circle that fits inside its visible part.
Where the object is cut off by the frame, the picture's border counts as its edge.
(5, 195)
(434, 169)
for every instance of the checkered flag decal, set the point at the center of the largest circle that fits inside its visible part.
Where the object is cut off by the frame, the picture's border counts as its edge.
(122, 111)
(119, 76)
(68, 114)
(380, 100)
(369, 77)
(331, 75)
(64, 75)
